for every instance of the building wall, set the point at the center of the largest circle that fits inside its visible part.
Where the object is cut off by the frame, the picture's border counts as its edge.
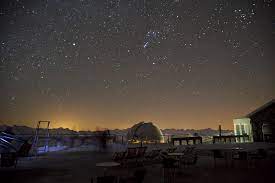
(242, 126)
(259, 124)
(264, 116)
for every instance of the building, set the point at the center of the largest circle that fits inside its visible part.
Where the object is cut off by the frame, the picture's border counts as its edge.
(259, 125)
(242, 126)
(147, 132)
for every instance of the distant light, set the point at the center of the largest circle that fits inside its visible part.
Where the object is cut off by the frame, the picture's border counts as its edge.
(74, 44)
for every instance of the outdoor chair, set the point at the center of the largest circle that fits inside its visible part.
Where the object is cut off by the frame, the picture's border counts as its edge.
(171, 149)
(240, 156)
(140, 154)
(189, 150)
(8, 159)
(260, 155)
(169, 169)
(153, 155)
(130, 154)
(24, 150)
(271, 153)
(217, 154)
(189, 159)
(138, 177)
(118, 156)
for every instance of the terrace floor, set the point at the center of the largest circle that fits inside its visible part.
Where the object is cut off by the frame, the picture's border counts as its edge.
(79, 167)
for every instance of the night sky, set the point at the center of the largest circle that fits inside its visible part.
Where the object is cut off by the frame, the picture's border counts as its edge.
(94, 63)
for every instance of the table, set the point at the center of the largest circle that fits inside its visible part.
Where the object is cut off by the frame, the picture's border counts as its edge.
(232, 149)
(231, 153)
(237, 148)
(175, 154)
(178, 156)
(106, 165)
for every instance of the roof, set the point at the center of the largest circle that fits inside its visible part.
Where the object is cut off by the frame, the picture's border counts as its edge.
(266, 105)
(145, 131)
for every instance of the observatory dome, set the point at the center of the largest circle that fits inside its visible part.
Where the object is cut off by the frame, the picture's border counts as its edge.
(146, 132)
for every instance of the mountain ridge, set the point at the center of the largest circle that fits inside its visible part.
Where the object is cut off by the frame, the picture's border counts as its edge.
(22, 129)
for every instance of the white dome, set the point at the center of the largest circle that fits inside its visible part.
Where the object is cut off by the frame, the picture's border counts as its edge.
(145, 131)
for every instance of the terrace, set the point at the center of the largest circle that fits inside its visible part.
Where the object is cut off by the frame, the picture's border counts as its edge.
(79, 165)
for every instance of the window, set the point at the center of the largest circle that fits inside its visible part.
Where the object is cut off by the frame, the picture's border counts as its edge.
(237, 129)
(243, 130)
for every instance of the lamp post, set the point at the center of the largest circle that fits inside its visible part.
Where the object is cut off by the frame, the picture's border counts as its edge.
(220, 130)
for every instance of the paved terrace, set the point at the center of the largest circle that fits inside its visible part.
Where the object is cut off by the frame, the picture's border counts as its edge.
(78, 166)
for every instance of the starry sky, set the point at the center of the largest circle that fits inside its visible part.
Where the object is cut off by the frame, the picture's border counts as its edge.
(85, 64)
